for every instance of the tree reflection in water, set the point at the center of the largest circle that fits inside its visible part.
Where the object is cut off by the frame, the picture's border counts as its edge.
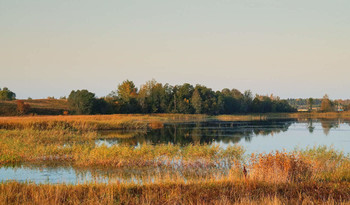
(197, 133)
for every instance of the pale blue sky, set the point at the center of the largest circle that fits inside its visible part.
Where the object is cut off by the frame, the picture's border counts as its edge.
(292, 48)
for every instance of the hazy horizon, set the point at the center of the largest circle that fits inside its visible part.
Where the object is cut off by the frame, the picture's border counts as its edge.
(291, 49)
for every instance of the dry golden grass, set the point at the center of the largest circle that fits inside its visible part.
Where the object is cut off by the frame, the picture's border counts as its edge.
(279, 167)
(222, 192)
(318, 175)
(37, 146)
(138, 121)
(94, 122)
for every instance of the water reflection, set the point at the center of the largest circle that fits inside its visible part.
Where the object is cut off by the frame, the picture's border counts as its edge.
(254, 136)
(41, 174)
(196, 133)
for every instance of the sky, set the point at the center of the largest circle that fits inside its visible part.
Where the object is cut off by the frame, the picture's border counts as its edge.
(293, 49)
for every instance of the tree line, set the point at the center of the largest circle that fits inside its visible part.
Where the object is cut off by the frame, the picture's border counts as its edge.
(154, 97)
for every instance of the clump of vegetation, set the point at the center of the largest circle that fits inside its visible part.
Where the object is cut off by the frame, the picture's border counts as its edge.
(279, 167)
(328, 164)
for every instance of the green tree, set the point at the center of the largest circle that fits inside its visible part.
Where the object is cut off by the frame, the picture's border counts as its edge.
(232, 100)
(196, 102)
(82, 102)
(6, 94)
(310, 103)
(125, 97)
(247, 101)
(183, 94)
(154, 97)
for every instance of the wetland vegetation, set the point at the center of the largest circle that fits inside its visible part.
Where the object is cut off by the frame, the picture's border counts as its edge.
(143, 167)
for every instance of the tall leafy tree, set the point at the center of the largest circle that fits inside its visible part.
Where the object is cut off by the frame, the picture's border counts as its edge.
(247, 101)
(126, 97)
(310, 103)
(326, 104)
(127, 91)
(196, 101)
(154, 97)
(183, 94)
(82, 102)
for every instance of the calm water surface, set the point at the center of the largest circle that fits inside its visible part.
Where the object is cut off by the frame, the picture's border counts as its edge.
(257, 136)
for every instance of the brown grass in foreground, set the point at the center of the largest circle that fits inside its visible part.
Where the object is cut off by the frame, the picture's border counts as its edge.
(224, 192)
(312, 176)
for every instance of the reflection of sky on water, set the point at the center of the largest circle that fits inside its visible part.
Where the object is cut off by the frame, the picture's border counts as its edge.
(69, 175)
(257, 136)
(43, 175)
(299, 135)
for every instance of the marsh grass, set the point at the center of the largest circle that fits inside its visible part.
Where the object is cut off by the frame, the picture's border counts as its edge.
(139, 121)
(219, 192)
(311, 176)
(79, 148)
(95, 122)
(277, 167)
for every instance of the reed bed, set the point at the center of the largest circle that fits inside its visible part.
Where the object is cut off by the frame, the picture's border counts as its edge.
(79, 149)
(317, 175)
(95, 122)
(222, 192)
(139, 121)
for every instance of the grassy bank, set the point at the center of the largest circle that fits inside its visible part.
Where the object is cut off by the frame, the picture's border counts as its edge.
(140, 121)
(94, 122)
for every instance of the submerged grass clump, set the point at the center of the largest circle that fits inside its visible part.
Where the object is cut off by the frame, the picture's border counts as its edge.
(79, 149)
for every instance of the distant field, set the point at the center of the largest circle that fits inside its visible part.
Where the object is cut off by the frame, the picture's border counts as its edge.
(37, 106)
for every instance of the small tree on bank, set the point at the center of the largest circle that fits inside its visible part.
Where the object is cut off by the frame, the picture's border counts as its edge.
(6, 94)
(82, 102)
(310, 103)
(326, 104)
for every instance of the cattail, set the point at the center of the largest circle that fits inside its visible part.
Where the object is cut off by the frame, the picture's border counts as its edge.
(245, 172)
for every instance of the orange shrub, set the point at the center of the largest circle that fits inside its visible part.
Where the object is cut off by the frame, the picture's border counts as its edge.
(279, 167)
(22, 108)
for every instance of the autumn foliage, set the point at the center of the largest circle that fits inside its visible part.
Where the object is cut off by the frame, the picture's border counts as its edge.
(22, 108)
(279, 167)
